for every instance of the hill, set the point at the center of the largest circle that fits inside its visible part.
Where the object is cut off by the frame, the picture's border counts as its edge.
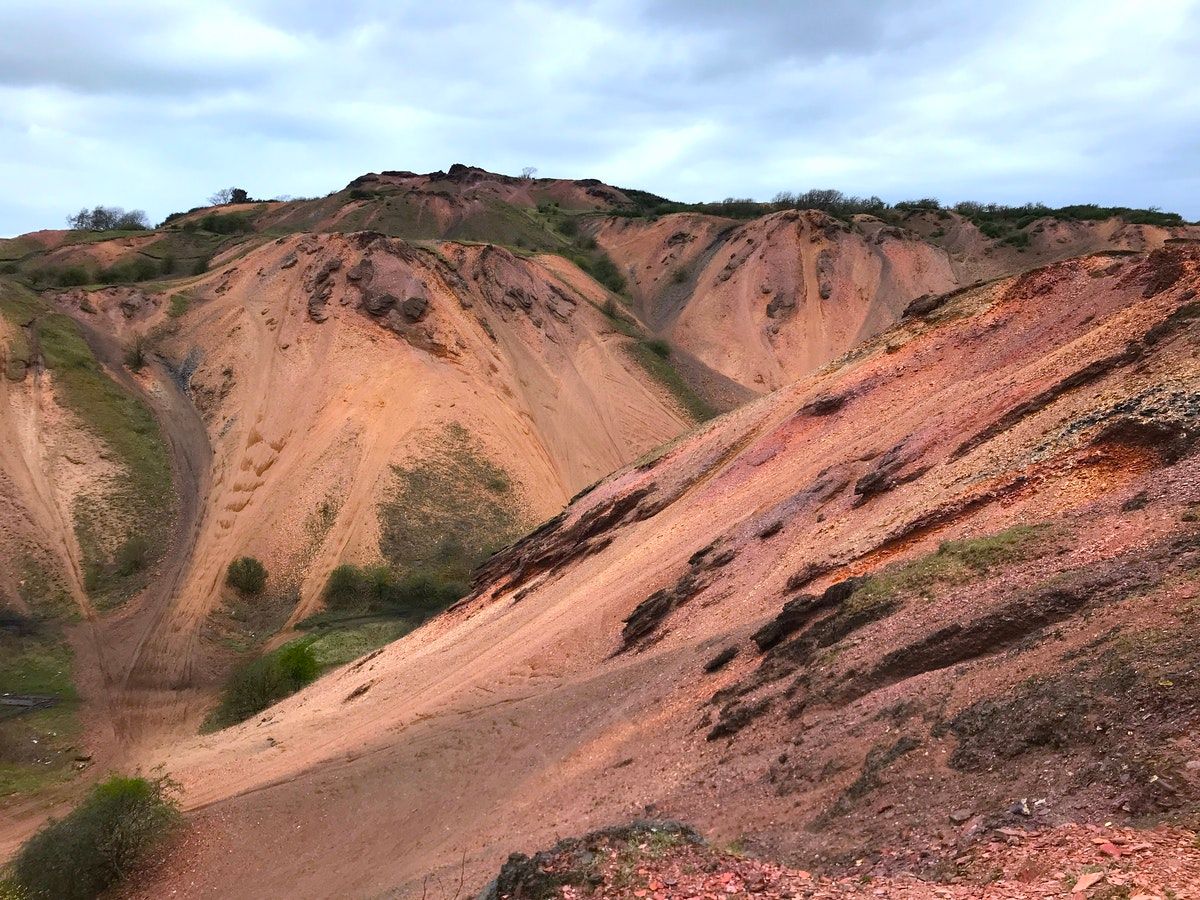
(952, 479)
(823, 633)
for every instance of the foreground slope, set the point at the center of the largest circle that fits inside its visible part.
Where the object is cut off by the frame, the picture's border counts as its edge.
(945, 583)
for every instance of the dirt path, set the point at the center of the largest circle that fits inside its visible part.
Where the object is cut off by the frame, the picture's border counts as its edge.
(127, 636)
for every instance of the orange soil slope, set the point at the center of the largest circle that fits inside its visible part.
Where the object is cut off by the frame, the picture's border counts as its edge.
(772, 299)
(766, 301)
(569, 692)
(318, 364)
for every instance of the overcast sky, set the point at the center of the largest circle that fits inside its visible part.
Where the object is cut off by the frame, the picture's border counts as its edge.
(154, 105)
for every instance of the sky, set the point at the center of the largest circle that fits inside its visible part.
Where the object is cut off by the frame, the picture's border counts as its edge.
(155, 105)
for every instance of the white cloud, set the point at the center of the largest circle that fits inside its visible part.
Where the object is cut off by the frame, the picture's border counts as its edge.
(156, 104)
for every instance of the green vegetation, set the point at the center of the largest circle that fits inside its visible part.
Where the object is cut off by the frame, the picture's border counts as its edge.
(954, 562)
(92, 848)
(246, 574)
(221, 223)
(139, 500)
(135, 353)
(264, 681)
(844, 206)
(179, 305)
(35, 746)
(377, 589)
(337, 646)
(448, 511)
(595, 262)
(654, 356)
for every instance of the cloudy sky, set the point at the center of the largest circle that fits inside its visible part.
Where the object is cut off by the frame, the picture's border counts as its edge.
(154, 105)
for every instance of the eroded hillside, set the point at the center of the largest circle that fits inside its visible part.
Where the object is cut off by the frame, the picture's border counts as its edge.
(944, 584)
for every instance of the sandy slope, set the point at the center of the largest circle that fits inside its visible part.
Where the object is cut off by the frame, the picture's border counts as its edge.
(765, 301)
(515, 718)
(301, 412)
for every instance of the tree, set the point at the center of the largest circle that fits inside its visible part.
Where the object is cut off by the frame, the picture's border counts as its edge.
(237, 195)
(221, 197)
(527, 173)
(109, 218)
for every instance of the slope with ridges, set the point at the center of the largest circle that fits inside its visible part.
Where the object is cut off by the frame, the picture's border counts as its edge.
(1014, 475)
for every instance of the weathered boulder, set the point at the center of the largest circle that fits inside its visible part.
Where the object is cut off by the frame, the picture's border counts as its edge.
(414, 308)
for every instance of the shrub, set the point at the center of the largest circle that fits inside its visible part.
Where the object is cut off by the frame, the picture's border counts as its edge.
(72, 276)
(568, 227)
(135, 353)
(679, 276)
(265, 681)
(140, 268)
(227, 223)
(345, 586)
(605, 271)
(247, 575)
(94, 846)
(659, 347)
(376, 589)
(131, 557)
(179, 305)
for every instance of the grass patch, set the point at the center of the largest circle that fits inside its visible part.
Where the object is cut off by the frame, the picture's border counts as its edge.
(650, 355)
(97, 844)
(36, 748)
(179, 305)
(138, 503)
(954, 562)
(337, 646)
(447, 512)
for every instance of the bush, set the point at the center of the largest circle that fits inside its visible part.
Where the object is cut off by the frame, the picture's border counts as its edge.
(247, 575)
(376, 589)
(140, 268)
(93, 847)
(132, 555)
(605, 271)
(227, 223)
(265, 681)
(659, 347)
(135, 353)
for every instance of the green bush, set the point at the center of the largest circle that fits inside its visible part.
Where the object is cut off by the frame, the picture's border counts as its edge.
(131, 557)
(135, 353)
(376, 589)
(265, 681)
(247, 575)
(140, 268)
(659, 347)
(227, 223)
(605, 271)
(93, 847)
